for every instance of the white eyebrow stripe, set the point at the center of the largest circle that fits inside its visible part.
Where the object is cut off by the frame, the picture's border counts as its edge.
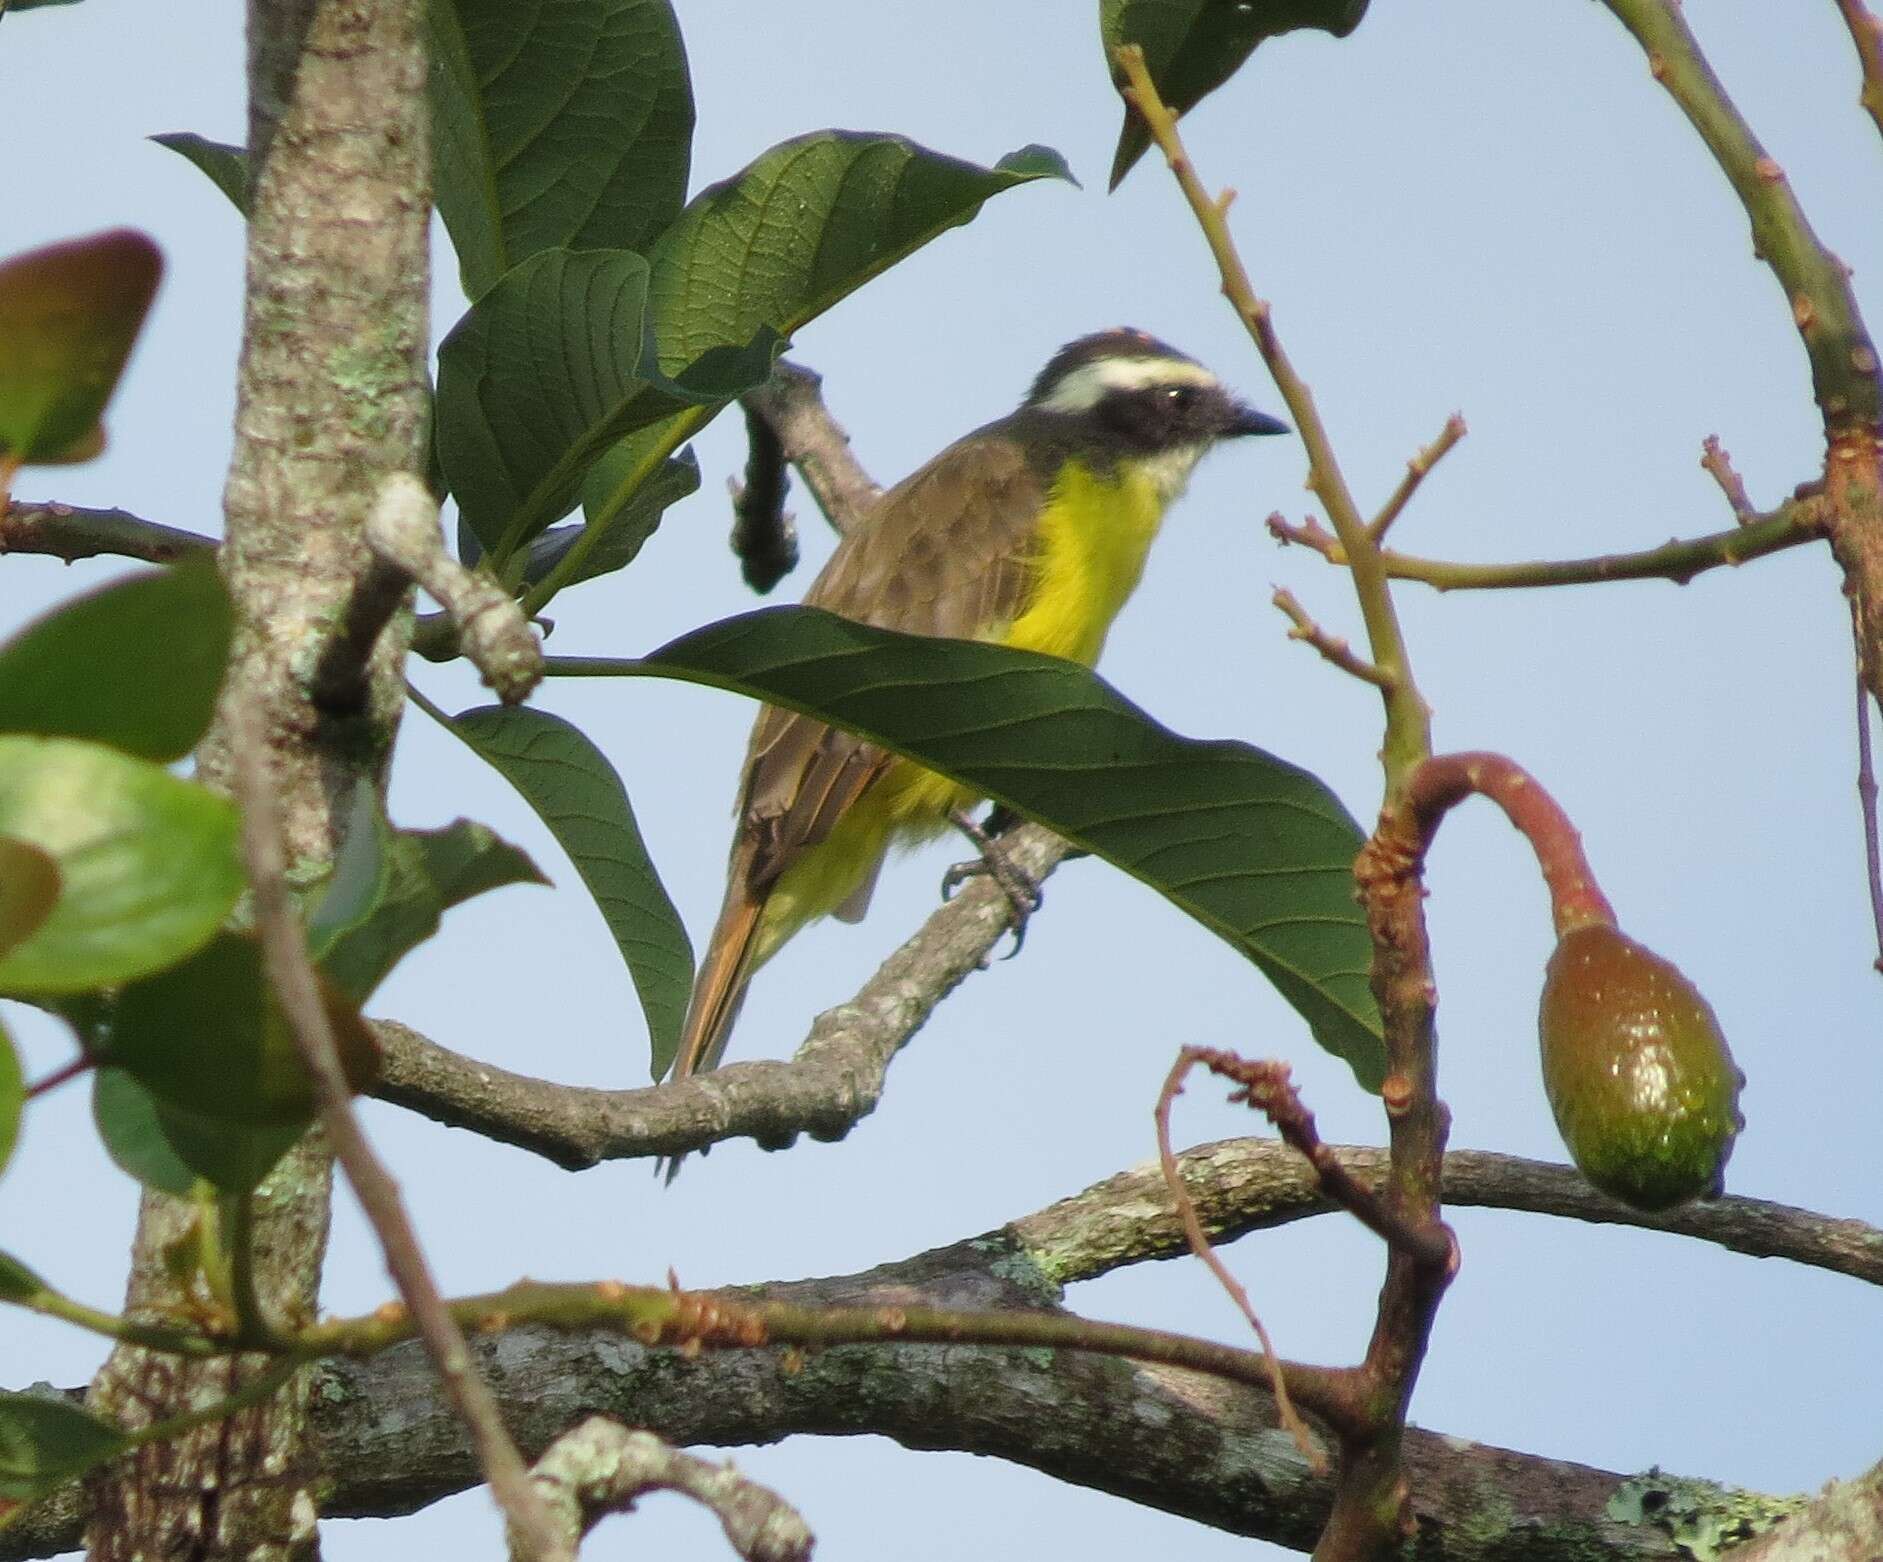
(1086, 386)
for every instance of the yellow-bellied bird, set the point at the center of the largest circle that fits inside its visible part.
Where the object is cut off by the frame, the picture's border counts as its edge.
(1029, 532)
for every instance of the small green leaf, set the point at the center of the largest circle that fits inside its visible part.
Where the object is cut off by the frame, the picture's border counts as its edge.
(548, 369)
(621, 514)
(29, 888)
(148, 863)
(810, 221)
(17, 1282)
(12, 1104)
(1256, 849)
(576, 792)
(556, 127)
(1191, 47)
(136, 664)
(68, 316)
(225, 166)
(391, 887)
(132, 1128)
(45, 1442)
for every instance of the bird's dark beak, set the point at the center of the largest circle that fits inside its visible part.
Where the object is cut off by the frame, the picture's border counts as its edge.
(1244, 419)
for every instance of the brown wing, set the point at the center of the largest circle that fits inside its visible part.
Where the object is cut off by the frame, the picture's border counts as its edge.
(944, 553)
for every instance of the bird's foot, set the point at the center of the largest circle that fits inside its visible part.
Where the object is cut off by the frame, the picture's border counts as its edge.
(1023, 892)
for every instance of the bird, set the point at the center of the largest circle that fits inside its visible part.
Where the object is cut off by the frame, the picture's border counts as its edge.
(1031, 531)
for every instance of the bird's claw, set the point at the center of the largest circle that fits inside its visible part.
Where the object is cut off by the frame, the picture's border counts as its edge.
(1023, 892)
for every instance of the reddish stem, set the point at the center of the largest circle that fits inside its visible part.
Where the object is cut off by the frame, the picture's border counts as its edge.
(1444, 781)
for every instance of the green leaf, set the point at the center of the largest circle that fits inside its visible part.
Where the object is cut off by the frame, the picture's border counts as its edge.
(207, 1036)
(17, 1282)
(1191, 47)
(68, 316)
(45, 1442)
(211, 1050)
(226, 166)
(12, 1104)
(1256, 849)
(548, 369)
(810, 221)
(148, 863)
(622, 513)
(565, 126)
(136, 664)
(391, 887)
(576, 792)
(132, 1127)
(29, 888)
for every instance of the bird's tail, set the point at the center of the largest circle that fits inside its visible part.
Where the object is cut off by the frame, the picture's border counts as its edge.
(718, 990)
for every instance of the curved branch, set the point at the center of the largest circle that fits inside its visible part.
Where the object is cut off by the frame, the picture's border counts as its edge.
(834, 1081)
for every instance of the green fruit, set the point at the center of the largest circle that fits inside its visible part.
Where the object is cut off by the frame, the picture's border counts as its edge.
(1645, 1092)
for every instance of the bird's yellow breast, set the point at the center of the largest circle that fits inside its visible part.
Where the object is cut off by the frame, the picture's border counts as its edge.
(1088, 555)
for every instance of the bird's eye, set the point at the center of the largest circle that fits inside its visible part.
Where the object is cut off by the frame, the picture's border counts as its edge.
(1180, 396)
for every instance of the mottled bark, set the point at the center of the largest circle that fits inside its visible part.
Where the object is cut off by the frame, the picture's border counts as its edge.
(331, 399)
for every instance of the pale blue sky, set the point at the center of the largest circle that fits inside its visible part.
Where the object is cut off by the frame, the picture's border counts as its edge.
(1471, 206)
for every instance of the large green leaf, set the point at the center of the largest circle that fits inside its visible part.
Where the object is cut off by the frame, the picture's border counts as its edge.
(560, 124)
(225, 166)
(390, 888)
(1253, 847)
(548, 369)
(1191, 47)
(576, 792)
(135, 664)
(68, 316)
(12, 1098)
(147, 862)
(45, 1442)
(810, 221)
(29, 888)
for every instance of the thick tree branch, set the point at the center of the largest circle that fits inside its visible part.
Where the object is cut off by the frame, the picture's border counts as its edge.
(388, 1443)
(331, 397)
(835, 1080)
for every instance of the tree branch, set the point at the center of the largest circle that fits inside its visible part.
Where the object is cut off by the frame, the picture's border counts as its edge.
(600, 1467)
(72, 532)
(791, 404)
(834, 1081)
(388, 1443)
(1866, 32)
(1679, 560)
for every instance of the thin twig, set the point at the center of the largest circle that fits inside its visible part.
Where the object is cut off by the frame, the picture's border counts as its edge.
(1416, 468)
(1719, 466)
(296, 988)
(1679, 560)
(1866, 32)
(1866, 802)
(1200, 1245)
(1266, 1086)
(601, 1467)
(764, 534)
(1332, 647)
(72, 532)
